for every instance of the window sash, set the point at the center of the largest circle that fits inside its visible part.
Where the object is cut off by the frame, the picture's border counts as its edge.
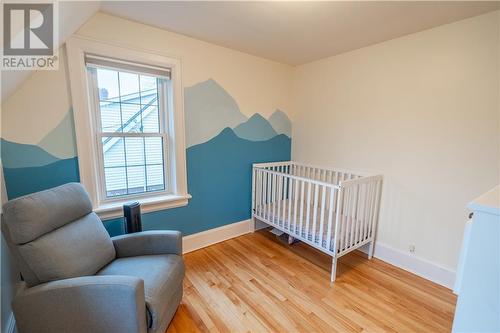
(99, 134)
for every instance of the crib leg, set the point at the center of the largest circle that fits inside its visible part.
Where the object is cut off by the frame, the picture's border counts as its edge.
(370, 249)
(334, 269)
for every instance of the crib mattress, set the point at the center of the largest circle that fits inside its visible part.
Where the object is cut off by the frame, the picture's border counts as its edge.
(269, 212)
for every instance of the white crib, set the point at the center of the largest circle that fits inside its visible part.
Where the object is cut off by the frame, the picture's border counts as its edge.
(335, 211)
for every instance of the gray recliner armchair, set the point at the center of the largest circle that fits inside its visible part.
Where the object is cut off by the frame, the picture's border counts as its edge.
(78, 279)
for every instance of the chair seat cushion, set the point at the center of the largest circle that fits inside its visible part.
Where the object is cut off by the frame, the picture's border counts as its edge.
(162, 275)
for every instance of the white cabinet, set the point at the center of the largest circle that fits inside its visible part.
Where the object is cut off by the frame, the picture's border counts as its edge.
(478, 305)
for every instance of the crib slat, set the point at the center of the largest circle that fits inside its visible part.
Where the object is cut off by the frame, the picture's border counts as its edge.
(338, 221)
(278, 199)
(256, 189)
(363, 213)
(315, 213)
(346, 223)
(262, 193)
(295, 202)
(302, 186)
(345, 219)
(322, 215)
(273, 198)
(285, 201)
(289, 201)
(368, 210)
(341, 212)
(375, 207)
(356, 214)
(308, 208)
(330, 221)
(264, 188)
(269, 195)
(353, 215)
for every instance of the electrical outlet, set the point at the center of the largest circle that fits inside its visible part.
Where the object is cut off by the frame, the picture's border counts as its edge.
(412, 248)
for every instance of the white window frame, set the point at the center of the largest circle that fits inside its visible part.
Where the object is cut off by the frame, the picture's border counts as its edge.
(85, 128)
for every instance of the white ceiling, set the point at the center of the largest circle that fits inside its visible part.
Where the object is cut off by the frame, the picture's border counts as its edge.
(296, 32)
(291, 32)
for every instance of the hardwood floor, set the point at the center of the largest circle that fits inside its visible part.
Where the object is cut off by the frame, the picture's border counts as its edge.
(259, 283)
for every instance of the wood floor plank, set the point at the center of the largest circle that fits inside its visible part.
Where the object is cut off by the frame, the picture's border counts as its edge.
(259, 283)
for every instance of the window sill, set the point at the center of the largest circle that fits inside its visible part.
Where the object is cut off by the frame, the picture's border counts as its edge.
(115, 209)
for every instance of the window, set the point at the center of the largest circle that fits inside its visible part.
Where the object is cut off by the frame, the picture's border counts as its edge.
(130, 129)
(134, 127)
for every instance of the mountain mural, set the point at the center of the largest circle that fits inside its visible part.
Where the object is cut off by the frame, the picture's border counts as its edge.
(281, 123)
(22, 181)
(18, 155)
(256, 128)
(29, 168)
(61, 141)
(208, 109)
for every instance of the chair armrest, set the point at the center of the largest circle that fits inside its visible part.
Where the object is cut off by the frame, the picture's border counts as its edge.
(85, 304)
(148, 242)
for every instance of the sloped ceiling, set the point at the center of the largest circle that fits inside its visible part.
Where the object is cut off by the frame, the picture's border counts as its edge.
(72, 14)
(291, 32)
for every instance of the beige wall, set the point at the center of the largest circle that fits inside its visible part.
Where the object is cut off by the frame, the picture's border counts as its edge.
(423, 110)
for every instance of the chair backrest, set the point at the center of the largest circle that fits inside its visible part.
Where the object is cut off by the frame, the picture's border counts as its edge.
(54, 235)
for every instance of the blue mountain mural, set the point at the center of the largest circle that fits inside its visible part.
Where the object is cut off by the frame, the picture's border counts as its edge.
(208, 109)
(60, 141)
(220, 182)
(18, 155)
(281, 123)
(22, 181)
(256, 128)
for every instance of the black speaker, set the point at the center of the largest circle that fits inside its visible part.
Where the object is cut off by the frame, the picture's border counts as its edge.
(132, 214)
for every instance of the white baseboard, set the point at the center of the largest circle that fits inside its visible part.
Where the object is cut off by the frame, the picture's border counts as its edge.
(205, 238)
(418, 266)
(11, 324)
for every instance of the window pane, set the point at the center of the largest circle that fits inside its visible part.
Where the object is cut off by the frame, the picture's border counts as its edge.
(134, 148)
(129, 87)
(136, 179)
(150, 119)
(113, 152)
(149, 89)
(116, 181)
(110, 117)
(154, 150)
(107, 81)
(131, 118)
(155, 178)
